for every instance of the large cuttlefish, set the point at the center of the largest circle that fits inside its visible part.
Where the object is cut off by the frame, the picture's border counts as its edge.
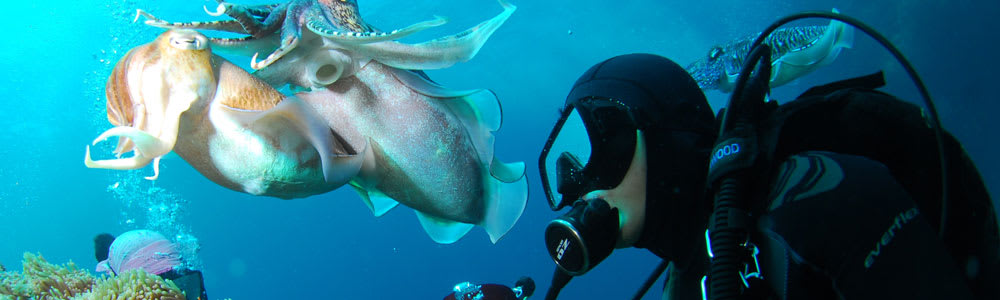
(313, 43)
(796, 51)
(392, 134)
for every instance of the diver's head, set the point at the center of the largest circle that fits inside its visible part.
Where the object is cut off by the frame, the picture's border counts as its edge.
(634, 135)
(102, 243)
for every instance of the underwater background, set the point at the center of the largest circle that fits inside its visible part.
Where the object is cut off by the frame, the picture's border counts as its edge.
(56, 56)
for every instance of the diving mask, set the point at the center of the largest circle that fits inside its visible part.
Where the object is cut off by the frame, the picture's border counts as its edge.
(589, 149)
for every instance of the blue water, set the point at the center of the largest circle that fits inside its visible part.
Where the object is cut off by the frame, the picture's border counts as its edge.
(56, 55)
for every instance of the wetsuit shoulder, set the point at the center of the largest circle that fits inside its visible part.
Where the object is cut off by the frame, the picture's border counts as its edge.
(843, 222)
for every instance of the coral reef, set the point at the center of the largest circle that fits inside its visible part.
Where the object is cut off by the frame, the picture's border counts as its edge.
(42, 280)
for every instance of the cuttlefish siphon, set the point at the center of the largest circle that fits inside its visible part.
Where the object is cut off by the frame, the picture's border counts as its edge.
(796, 51)
(393, 135)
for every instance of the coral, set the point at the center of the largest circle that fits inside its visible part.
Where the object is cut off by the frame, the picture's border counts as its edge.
(136, 285)
(42, 280)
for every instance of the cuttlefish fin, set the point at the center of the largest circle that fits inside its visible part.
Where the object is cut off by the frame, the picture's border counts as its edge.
(504, 203)
(293, 122)
(506, 190)
(442, 231)
(438, 53)
(377, 201)
(507, 195)
(822, 52)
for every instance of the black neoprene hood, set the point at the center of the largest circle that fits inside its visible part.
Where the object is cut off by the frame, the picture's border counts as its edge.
(679, 127)
(661, 91)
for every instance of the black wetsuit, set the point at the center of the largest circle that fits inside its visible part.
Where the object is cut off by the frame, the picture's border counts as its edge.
(189, 281)
(840, 226)
(851, 208)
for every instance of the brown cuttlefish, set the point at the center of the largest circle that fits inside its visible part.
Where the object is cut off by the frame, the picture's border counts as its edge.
(392, 134)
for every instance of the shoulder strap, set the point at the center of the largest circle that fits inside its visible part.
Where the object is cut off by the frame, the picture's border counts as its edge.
(870, 82)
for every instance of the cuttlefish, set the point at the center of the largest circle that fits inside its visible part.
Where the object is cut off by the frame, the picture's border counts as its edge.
(796, 51)
(391, 134)
(313, 43)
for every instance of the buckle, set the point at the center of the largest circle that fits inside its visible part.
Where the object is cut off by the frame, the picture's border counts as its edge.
(747, 272)
(751, 265)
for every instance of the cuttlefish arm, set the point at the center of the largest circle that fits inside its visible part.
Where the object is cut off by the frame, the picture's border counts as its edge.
(147, 96)
(435, 54)
(276, 29)
(330, 58)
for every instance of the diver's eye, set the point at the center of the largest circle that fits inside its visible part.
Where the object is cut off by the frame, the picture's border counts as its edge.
(714, 53)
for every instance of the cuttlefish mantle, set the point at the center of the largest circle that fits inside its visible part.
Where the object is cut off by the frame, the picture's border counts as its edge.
(796, 51)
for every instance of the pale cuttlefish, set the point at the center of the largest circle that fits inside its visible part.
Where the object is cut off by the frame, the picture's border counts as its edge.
(335, 42)
(393, 135)
(796, 51)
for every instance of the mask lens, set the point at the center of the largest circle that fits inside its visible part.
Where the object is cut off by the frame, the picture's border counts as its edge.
(568, 171)
(569, 152)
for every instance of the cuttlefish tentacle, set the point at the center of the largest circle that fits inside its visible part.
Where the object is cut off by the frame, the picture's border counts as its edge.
(249, 17)
(259, 11)
(439, 53)
(227, 25)
(325, 29)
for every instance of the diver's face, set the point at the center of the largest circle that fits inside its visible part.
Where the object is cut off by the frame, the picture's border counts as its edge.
(629, 196)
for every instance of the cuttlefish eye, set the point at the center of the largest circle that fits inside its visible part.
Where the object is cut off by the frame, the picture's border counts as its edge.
(188, 41)
(714, 53)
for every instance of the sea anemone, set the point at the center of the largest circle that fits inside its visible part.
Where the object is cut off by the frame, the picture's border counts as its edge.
(134, 284)
(42, 280)
(14, 286)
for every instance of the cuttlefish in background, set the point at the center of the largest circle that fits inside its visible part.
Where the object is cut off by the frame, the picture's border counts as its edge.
(393, 135)
(796, 51)
(313, 43)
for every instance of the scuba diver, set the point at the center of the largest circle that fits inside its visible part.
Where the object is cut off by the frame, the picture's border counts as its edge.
(523, 288)
(150, 251)
(845, 200)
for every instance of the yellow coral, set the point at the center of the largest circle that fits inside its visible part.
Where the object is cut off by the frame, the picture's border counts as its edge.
(134, 284)
(42, 280)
